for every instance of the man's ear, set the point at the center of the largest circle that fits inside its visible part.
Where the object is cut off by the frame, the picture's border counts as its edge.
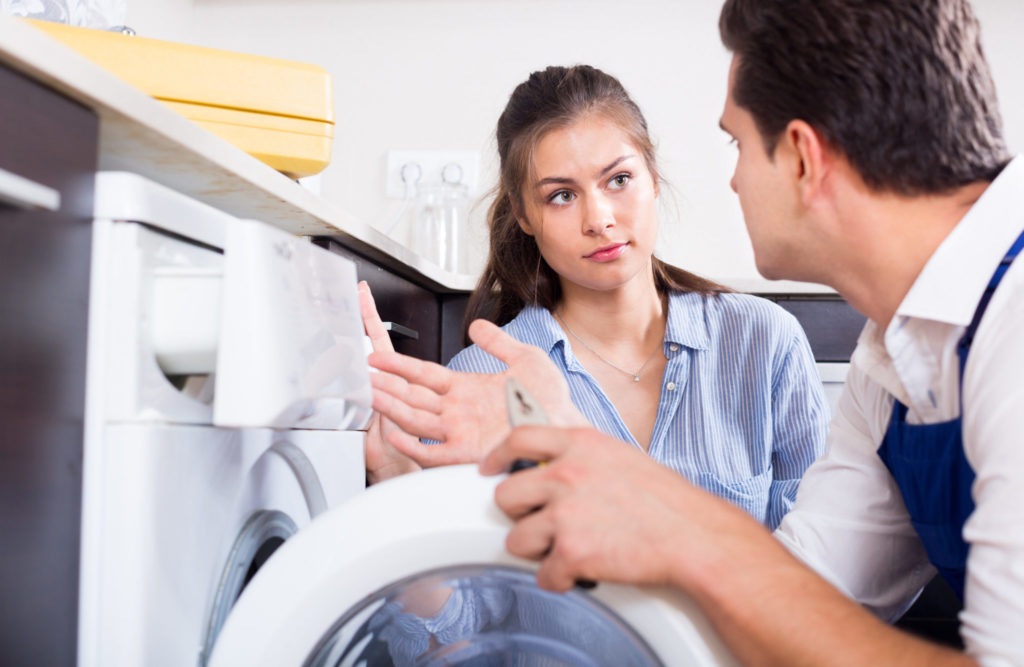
(809, 158)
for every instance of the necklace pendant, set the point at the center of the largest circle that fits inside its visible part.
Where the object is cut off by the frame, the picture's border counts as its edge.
(636, 378)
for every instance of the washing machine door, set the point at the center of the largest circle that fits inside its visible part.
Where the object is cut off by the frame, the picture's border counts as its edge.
(414, 571)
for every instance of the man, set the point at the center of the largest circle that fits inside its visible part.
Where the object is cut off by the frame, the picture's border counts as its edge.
(870, 159)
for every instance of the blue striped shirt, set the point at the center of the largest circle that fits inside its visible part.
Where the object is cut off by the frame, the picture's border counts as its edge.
(742, 412)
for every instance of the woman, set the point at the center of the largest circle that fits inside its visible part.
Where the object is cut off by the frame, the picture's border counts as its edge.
(719, 386)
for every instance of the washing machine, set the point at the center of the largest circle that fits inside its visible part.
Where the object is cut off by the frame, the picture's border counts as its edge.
(226, 386)
(224, 518)
(414, 571)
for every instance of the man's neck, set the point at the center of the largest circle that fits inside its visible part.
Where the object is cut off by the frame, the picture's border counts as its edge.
(889, 240)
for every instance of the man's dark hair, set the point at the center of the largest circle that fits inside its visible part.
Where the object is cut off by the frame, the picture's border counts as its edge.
(900, 87)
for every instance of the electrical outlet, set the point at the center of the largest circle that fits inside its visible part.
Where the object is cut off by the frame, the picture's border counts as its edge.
(434, 166)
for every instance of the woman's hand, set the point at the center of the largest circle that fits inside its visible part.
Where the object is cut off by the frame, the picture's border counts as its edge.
(465, 412)
(382, 460)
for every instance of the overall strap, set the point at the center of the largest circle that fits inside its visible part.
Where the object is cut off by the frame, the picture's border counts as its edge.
(964, 346)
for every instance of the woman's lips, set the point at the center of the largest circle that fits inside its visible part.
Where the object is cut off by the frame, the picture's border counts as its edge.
(608, 253)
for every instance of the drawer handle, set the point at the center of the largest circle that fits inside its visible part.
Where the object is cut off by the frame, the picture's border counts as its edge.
(23, 193)
(402, 331)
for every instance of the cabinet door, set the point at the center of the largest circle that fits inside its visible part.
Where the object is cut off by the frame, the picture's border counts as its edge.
(413, 311)
(832, 325)
(51, 142)
(425, 324)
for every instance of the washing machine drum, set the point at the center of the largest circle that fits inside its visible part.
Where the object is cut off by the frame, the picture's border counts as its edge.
(414, 572)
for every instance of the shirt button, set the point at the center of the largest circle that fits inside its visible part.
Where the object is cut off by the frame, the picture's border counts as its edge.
(671, 386)
(673, 348)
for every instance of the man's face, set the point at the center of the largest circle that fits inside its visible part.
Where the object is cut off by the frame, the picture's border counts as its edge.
(764, 189)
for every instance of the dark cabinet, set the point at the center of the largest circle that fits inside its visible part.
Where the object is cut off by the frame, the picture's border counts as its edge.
(49, 141)
(426, 324)
(832, 325)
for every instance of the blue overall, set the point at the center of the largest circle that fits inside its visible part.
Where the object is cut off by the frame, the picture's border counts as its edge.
(928, 463)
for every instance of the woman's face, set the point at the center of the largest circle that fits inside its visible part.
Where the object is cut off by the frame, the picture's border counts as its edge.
(592, 208)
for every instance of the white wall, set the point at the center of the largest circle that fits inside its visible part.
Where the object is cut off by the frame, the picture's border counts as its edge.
(436, 74)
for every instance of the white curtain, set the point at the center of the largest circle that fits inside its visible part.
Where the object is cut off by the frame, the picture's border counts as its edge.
(85, 13)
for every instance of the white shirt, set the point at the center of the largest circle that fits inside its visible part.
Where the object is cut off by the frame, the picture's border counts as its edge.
(849, 521)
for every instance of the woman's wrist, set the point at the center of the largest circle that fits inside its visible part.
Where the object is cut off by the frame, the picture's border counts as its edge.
(391, 469)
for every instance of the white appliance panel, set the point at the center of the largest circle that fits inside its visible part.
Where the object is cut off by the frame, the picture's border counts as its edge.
(178, 513)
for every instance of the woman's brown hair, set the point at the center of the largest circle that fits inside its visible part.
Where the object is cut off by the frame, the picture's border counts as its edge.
(516, 275)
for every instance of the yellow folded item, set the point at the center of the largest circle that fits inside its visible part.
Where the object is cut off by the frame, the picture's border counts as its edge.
(279, 111)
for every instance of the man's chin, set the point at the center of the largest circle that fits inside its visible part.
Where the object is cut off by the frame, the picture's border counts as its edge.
(769, 270)
(777, 268)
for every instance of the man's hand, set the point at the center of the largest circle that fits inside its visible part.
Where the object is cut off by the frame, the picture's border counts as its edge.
(465, 412)
(597, 509)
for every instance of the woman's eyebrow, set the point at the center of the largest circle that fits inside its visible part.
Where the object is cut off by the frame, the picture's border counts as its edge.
(550, 180)
(562, 180)
(616, 163)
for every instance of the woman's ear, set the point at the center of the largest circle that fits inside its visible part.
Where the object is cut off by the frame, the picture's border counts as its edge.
(522, 220)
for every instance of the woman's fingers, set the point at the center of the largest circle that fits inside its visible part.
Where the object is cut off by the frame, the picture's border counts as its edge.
(414, 396)
(430, 456)
(418, 423)
(372, 324)
(496, 342)
(383, 461)
(433, 376)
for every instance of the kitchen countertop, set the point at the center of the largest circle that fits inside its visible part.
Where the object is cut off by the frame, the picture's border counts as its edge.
(140, 135)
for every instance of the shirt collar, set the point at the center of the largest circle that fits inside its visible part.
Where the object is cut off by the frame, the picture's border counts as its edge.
(950, 285)
(687, 324)
(543, 324)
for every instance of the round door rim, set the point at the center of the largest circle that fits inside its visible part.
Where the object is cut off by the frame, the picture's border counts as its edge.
(417, 522)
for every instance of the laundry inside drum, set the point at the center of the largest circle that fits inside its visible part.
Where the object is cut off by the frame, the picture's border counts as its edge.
(480, 615)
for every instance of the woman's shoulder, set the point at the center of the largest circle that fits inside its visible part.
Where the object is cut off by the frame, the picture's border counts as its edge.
(473, 359)
(735, 316)
(523, 327)
(755, 310)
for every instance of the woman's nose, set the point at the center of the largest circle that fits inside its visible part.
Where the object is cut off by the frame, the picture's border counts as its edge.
(599, 216)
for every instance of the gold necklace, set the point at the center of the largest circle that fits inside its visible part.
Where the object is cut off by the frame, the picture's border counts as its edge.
(636, 375)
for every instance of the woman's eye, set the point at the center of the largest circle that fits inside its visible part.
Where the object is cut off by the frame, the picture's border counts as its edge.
(619, 180)
(561, 197)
